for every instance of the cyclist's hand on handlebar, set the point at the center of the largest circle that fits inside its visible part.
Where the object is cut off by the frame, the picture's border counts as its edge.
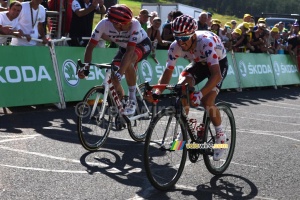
(83, 72)
(149, 96)
(196, 98)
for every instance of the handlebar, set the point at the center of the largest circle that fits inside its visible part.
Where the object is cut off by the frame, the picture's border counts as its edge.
(111, 66)
(176, 90)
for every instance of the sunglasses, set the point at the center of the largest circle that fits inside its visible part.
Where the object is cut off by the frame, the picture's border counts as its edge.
(183, 38)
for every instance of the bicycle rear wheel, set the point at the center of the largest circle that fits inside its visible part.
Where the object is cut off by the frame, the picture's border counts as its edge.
(92, 129)
(228, 124)
(142, 117)
(164, 166)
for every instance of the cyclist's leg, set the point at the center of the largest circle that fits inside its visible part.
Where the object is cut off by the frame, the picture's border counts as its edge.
(192, 74)
(117, 61)
(142, 50)
(214, 113)
(209, 100)
(183, 79)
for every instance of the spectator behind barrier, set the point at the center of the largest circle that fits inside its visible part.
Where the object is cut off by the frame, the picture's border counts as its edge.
(225, 35)
(154, 33)
(9, 22)
(82, 20)
(233, 24)
(167, 33)
(247, 18)
(169, 19)
(3, 4)
(294, 29)
(31, 21)
(143, 18)
(272, 44)
(150, 21)
(209, 17)
(294, 46)
(202, 22)
(66, 18)
(215, 26)
(258, 43)
(235, 36)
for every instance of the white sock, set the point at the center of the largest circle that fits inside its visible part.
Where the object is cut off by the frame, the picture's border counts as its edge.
(219, 128)
(132, 90)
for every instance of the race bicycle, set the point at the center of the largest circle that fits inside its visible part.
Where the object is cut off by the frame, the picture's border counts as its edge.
(101, 104)
(165, 157)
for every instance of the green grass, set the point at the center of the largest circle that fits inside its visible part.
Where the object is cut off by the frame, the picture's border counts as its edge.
(135, 6)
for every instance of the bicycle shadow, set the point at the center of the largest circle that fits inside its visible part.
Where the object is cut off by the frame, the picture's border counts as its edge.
(48, 121)
(225, 186)
(121, 164)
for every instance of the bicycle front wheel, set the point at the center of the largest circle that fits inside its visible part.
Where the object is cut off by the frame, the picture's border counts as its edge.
(228, 124)
(94, 119)
(164, 162)
(141, 120)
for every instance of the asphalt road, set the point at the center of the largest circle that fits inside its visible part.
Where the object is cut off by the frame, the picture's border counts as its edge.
(41, 157)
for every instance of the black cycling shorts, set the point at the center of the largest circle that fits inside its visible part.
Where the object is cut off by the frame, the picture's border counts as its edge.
(142, 49)
(199, 71)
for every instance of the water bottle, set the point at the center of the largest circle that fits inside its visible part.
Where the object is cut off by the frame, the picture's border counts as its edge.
(200, 132)
(91, 102)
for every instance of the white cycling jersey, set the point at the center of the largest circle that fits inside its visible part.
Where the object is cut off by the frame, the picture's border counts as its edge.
(106, 31)
(209, 49)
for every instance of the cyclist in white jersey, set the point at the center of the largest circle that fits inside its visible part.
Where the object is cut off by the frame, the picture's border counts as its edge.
(207, 57)
(134, 45)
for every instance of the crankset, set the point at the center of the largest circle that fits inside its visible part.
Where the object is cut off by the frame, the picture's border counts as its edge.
(193, 154)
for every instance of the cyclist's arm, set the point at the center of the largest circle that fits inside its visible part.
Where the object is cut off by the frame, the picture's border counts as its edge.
(173, 55)
(166, 76)
(87, 58)
(89, 52)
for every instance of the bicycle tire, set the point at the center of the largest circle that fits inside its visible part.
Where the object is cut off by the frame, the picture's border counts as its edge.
(228, 123)
(163, 166)
(93, 131)
(138, 128)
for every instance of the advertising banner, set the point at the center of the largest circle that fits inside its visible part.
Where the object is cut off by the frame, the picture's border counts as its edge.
(231, 80)
(27, 76)
(73, 87)
(255, 69)
(286, 72)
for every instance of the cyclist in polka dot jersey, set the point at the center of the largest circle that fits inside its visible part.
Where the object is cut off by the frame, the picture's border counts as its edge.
(207, 57)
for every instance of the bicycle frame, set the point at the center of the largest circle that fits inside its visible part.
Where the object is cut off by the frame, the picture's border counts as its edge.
(109, 90)
(180, 112)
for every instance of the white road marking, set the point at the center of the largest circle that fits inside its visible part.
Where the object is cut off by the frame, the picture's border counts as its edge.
(272, 121)
(20, 138)
(254, 166)
(17, 136)
(92, 164)
(265, 133)
(45, 170)
(280, 116)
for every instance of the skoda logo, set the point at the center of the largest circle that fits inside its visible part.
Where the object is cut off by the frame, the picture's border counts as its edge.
(276, 68)
(69, 72)
(243, 68)
(147, 70)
